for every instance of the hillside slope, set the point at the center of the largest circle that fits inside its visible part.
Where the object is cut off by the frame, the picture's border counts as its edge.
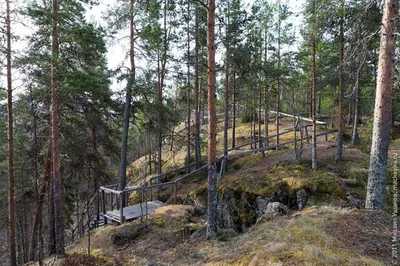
(332, 229)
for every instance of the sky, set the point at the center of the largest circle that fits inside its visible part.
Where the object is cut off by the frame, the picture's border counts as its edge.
(117, 51)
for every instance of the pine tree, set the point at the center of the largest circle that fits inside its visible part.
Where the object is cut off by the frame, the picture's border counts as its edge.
(11, 186)
(128, 99)
(212, 126)
(55, 125)
(339, 150)
(383, 105)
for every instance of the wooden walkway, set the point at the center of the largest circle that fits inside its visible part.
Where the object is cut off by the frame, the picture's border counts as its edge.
(107, 194)
(134, 211)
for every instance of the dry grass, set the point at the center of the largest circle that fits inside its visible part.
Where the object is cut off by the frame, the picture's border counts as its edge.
(318, 235)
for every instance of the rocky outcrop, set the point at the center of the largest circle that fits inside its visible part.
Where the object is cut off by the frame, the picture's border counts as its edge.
(239, 210)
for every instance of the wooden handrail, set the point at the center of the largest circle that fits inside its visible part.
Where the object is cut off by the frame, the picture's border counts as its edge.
(301, 117)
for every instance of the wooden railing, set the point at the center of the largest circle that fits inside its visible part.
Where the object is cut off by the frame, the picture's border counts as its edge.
(121, 196)
(118, 198)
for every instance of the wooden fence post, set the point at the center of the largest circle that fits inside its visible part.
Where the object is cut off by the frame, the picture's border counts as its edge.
(326, 132)
(151, 190)
(97, 209)
(104, 205)
(121, 209)
(112, 200)
(158, 188)
(175, 194)
(308, 140)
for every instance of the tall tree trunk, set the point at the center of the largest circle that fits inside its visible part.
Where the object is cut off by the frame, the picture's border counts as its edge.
(55, 126)
(188, 87)
(38, 211)
(212, 127)
(233, 111)
(224, 164)
(339, 149)
(196, 90)
(259, 116)
(313, 95)
(128, 102)
(355, 138)
(278, 93)
(319, 104)
(383, 105)
(11, 189)
(350, 115)
(160, 91)
(254, 117)
(266, 109)
(51, 220)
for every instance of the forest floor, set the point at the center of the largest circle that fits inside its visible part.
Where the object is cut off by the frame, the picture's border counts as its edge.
(333, 229)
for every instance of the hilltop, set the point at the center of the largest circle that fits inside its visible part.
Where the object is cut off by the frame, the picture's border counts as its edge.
(332, 229)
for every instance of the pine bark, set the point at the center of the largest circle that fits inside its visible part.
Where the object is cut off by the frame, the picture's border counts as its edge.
(278, 100)
(266, 111)
(212, 126)
(339, 149)
(55, 126)
(196, 90)
(51, 220)
(128, 103)
(224, 164)
(233, 111)
(313, 98)
(160, 91)
(355, 138)
(383, 105)
(11, 186)
(188, 88)
(38, 211)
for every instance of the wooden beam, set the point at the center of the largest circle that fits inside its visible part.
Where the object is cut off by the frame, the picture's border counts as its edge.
(301, 117)
(109, 190)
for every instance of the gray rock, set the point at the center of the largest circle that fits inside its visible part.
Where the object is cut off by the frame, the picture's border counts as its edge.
(262, 204)
(276, 207)
(196, 255)
(302, 197)
(198, 234)
(354, 200)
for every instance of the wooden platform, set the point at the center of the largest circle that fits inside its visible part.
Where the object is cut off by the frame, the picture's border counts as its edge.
(133, 212)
